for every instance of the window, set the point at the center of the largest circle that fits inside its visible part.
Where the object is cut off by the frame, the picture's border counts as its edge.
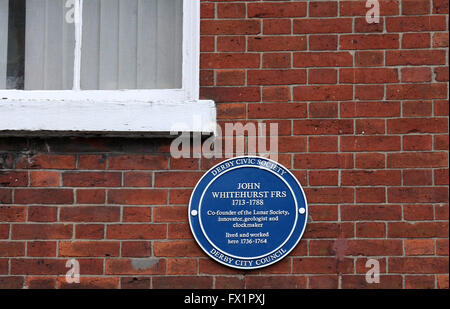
(101, 66)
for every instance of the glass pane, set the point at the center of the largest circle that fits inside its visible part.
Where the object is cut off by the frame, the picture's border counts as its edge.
(49, 45)
(16, 45)
(133, 44)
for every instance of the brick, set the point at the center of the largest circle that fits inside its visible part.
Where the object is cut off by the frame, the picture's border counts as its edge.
(417, 177)
(138, 196)
(440, 7)
(177, 179)
(322, 76)
(368, 76)
(54, 266)
(358, 8)
(370, 195)
(419, 247)
(136, 231)
(90, 214)
(415, 7)
(11, 282)
(369, 41)
(229, 283)
(231, 94)
(323, 161)
(276, 60)
(415, 57)
(41, 282)
(222, 27)
(417, 108)
(88, 196)
(136, 249)
(231, 10)
(417, 230)
(135, 283)
(417, 160)
(43, 196)
(362, 26)
(416, 40)
(138, 162)
(370, 143)
(277, 26)
(276, 9)
(186, 248)
(418, 195)
(415, 23)
(323, 42)
(370, 160)
(170, 214)
(277, 110)
(92, 162)
(321, 266)
(369, 92)
(323, 9)
(182, 266)
(440, 40)
(323, 178)
(323, 110)
(323, 93)
(323, 127)
(47, 161)
(10, 248)
(323, 59)
(371, 178)
(370, 230)
(92, 179)
(418, 212)
(375, 247)
(337, 25)
(417, 125)
(275, 282)
(323, 282)
(45, 179)
(416, 265)
(419, 282)
(371, 212)
(89, 231)
(13, 179)
(42, 214)
(369, 58)
(90, 283)
(231, 44)
(360, 282)
(136, 214)
(323, 144)
(369, 109)
(183, 282)
(89, 249)
(12, 214)
(276, 77)
(370, 126)
(42, 231)
(330, 195)
(277, 93)
(147, 266)
(277, 43)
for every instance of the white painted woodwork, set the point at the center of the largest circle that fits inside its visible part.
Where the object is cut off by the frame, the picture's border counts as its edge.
(3, 42)
(111, 111)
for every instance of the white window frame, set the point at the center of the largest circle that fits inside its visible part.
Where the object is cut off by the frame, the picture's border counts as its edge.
(115, 112)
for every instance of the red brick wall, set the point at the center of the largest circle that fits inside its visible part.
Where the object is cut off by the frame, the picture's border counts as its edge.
(363, 123)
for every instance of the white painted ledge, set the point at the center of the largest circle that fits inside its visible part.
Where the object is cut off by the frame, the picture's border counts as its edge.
(108, 118)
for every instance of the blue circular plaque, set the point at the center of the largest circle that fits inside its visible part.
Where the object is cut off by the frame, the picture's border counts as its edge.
(248, 212)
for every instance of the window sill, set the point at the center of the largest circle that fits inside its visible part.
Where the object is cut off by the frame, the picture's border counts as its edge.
(100, 118)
